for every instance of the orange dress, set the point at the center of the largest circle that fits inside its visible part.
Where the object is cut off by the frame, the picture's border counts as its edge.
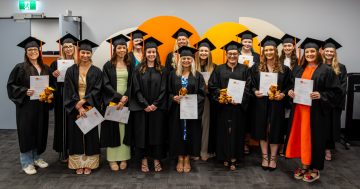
(299, 142)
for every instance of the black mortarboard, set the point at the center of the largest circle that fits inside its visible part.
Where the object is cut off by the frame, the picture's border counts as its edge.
(181, 32)
(246, 35)
(136, 34)
(118, 40)
(205, 43)
(287, 38)
(87, 45)
(152, 43)
(311, 43)
(186, 51)
(330, 42)
(232, 45)
(270, 41)
(68, 38)
(31, 42)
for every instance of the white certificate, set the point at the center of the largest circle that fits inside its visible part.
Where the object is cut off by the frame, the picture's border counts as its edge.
(246, 58)
(62, 66)
(38, 84)
(206, 76)
(93, 119)
(302, 90)
(113, 114)
(235, 89)
(266, 80)
(189, 107)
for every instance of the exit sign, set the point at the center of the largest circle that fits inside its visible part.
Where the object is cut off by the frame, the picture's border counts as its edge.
(25, 5)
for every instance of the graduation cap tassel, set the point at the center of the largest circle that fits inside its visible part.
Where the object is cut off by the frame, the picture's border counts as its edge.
(299, 56)
(78, 54)
(60, 49)
(131, 43)
(224, 56)
(111, 48)
(41, 49)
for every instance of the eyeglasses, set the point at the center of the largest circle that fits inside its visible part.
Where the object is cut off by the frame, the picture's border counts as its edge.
(32, 50)
(68, 47)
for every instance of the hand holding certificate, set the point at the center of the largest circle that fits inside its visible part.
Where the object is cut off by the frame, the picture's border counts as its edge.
(303, 88)
(189, 107)
(62, 66)
(92, 119)
(266, 80)
(38, 84)
(247, 60)
(235, 89)
(113, 114)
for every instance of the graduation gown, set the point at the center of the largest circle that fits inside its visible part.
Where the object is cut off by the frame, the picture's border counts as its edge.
(192, 145)
(169, 65)
(60, 132)
(326, 83)
(110, 133)
(148, 88)
(32, 116)
(78, 142)
(269, 111)
(132, 60)
(230, 117)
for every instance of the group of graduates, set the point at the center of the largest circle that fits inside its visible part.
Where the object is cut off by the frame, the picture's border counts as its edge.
(135, 78)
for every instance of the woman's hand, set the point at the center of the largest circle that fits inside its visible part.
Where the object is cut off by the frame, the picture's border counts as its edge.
(30, 92)
(153, 107)
(124, 99)
(291, 94)
(82, 112)
(80, 104)
(177, 99)
(315, 95)
(148, 109)
(258, 94)
(120, 106)
(56, 73)
(280, 96)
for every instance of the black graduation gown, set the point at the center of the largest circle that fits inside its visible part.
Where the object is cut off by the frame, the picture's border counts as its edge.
(169, 65)
(132, 60)
(326, 83)
(148, 88)
(32, 116)
(78, 142)
(230, 144)
(269, 111)
(110, 133)
(192, 145)
(60, 132)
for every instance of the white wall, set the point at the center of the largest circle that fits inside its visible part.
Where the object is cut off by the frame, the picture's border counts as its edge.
(48, 31)
(314, 18)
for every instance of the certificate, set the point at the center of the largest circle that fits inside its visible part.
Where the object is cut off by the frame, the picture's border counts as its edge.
(62, 66)
(92, 119)
(302, 90)
(206, 76)
(38, 84)
(235, 89)
(266, 80)
(189, 107)
(113, 114)
(246, 59)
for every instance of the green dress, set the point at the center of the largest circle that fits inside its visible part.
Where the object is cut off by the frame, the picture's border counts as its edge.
(122, 152)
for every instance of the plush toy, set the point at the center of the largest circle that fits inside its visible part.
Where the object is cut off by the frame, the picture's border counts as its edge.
(246, 63)
(273, 92)
(47, 95)
(113, 104)
(224, 98)
(183, 91)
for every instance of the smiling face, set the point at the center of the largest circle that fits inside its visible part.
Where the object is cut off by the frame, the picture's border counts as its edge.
(137, 43)
(69, 49)
(204, 53)
(247, 44)
(85, 56)
(329, 53)
(310, 54)
(32, 53)
(150, 54)
(269, 52)
(232, 56)
(182, 41)
(186, 61)
(288, 48)
(121, 50)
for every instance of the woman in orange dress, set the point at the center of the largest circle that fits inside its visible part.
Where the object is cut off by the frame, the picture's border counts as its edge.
(309, 128)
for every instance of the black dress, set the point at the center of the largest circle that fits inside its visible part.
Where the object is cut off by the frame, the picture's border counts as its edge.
(326, 83)
(110, 133)
(32, 116)
(269, 112)
(79, 143)
(148, 88)
(192, 145)
(230, 132)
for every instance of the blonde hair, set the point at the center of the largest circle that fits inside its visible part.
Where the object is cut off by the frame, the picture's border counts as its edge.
(179, 69)
(278, 67)
(175, 57)
(75, 55)
(335, 63)
(209, 66)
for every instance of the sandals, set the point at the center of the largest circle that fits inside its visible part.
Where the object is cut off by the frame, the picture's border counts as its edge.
(113, 166)
(232, 166)
(265, 158)
(157, 166)
(180, 166)
(187, 166)
(87, 171)
(311, 176)
(299, 173)
(123, 165)
(79, 171)
(144, 166)
(272, 159)
(226, 163)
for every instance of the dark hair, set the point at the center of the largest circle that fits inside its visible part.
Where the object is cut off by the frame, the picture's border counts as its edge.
(293, 58)
(143, 64)
(114, 56)
(304, 62)
(28, 65)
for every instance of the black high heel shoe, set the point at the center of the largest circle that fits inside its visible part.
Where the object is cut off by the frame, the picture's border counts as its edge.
(265, 157)
(273, 158)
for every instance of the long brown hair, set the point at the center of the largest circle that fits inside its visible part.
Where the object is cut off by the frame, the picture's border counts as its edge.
(29, 67)
(278, 67)
(114, 56)
(293, 58)
(304, 62)
(209, 63)
(335, 63)
(144, 67)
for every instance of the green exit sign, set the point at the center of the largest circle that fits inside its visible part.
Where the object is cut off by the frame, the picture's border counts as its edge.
(25, 5)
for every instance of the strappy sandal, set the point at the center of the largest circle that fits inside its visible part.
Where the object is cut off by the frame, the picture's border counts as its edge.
(144, 166)
(113, 166)
(265, 157)
(180, 166)
(232, 166)
(273, 159)
(157, 166)
(123, 165)
(187, 166)
(79, 171)
(87, 171)
(311, 176)
(299, 173)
